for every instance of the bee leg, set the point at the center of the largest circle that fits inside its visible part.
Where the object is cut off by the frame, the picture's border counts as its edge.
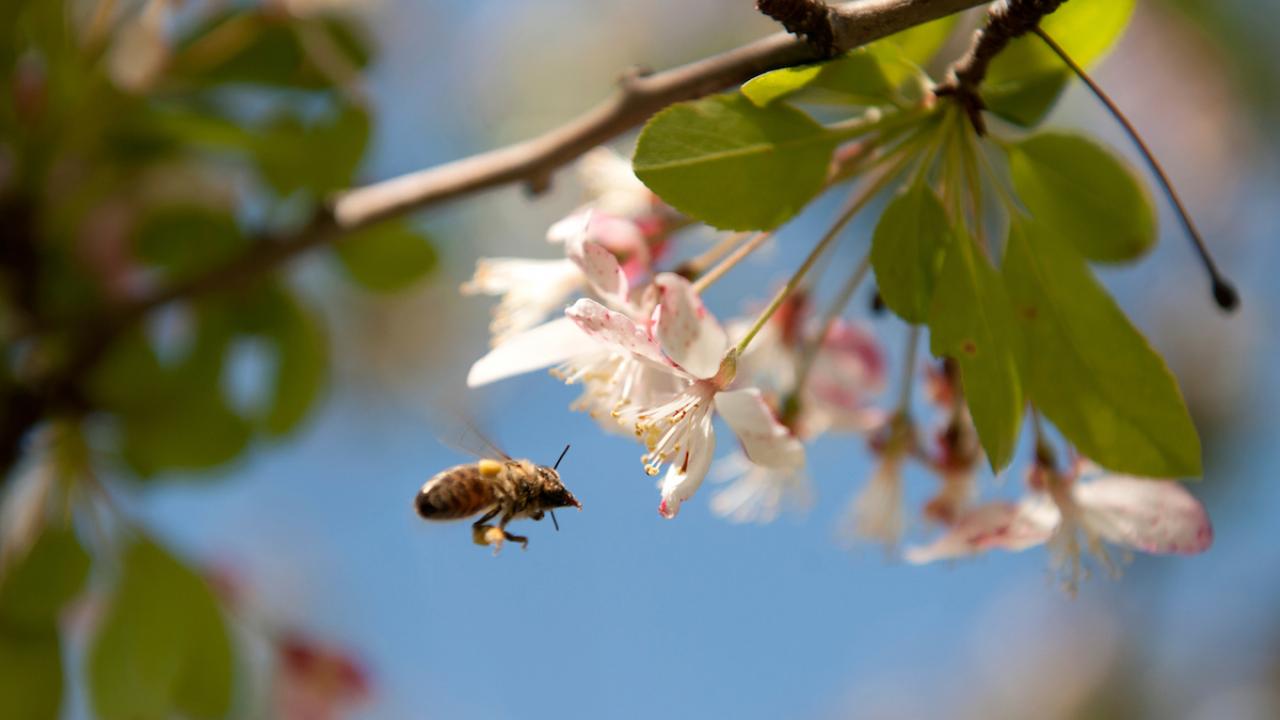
(502, 526)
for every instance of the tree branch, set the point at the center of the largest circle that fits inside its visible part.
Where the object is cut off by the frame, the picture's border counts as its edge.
(1006, 20)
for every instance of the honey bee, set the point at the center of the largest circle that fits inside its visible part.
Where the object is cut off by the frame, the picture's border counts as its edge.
(507, 487)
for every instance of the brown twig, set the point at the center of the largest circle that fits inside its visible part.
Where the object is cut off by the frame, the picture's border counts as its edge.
(1006, 20)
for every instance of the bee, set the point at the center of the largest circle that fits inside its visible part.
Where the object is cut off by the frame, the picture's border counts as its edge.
(509, 488)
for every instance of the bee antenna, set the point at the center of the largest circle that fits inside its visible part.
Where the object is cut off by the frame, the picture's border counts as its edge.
(562, 454)
(554, 521)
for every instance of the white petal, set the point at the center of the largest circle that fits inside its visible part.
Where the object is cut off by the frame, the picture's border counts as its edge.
(540, 347)
(766, 441)
(1155, 516)
(684, 478)
(612, 184)
(690, 335)
(573, 226)
(617, 331)
(757, 493)
(530, 290)
(1003, 525)
(600, 267)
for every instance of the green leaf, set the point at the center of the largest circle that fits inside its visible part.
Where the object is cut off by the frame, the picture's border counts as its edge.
(187, 239)
(971, 321)
(34, 591)
(922, 42)
(174, 418)
(37, 587)
(1088, 369)
(263, 48)
(162, 649)
(855, 78)
(287, 157)
(302, 359)
(907, 251)
(30, 675)
(1024, 81)
(733, 165)
(387, 257)
(1085, 194)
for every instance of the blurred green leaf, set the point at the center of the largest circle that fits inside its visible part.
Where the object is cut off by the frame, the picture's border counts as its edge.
(162, 649)
(1024, 81)
(971, 321)
(187, 239)
(1079, 190)
(907, 251)
(920, 43)
(302, 358)
(286, 151)
(259, 47)
(387, 257)
(37, 587)
(856, 77)
(1088, 369)
(30, 675)
(32, 595)
(733, 165)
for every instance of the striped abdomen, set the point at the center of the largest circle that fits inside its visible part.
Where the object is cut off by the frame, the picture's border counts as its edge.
(456, 493)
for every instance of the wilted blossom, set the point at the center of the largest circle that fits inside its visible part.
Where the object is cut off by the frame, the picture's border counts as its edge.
(1075, 513)
(876, 512)
(314, 681)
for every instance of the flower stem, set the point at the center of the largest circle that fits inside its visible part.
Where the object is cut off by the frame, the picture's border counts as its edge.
(1224, 294)
(908, 372)
(833, 312)
(859, 202)
(696, 266)
(733, 259)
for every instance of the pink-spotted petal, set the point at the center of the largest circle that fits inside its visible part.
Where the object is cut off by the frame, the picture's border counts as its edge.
(765, 441)
(690, 335)
(539, 347)
(601, 269)
(1154, 516)
(617, 331)
(685, 475)
(1002, 525)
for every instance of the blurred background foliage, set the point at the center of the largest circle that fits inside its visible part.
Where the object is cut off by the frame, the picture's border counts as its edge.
(179, 540)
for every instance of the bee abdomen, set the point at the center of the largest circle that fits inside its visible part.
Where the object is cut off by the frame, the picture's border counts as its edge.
(454, 494)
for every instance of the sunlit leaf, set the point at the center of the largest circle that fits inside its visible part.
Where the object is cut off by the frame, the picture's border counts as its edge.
(387, 257)
(731, 164)
(855, 78)
(1088, 369)
(1024, 80)
(920, 43)
(162, 649)
(1081, 191)
(907, 251)
(971, 321)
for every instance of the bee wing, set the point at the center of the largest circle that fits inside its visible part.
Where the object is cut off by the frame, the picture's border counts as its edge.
(471, 441)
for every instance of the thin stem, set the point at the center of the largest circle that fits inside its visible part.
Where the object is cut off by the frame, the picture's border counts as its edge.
(908, 372)
(810, 353)
(1224, 294)
(696, 266)
(854, 208)
(729, 262)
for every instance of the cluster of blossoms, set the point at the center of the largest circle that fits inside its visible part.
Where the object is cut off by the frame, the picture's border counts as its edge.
(656, 364)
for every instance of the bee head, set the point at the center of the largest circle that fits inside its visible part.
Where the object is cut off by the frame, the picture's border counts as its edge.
(553, 492)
